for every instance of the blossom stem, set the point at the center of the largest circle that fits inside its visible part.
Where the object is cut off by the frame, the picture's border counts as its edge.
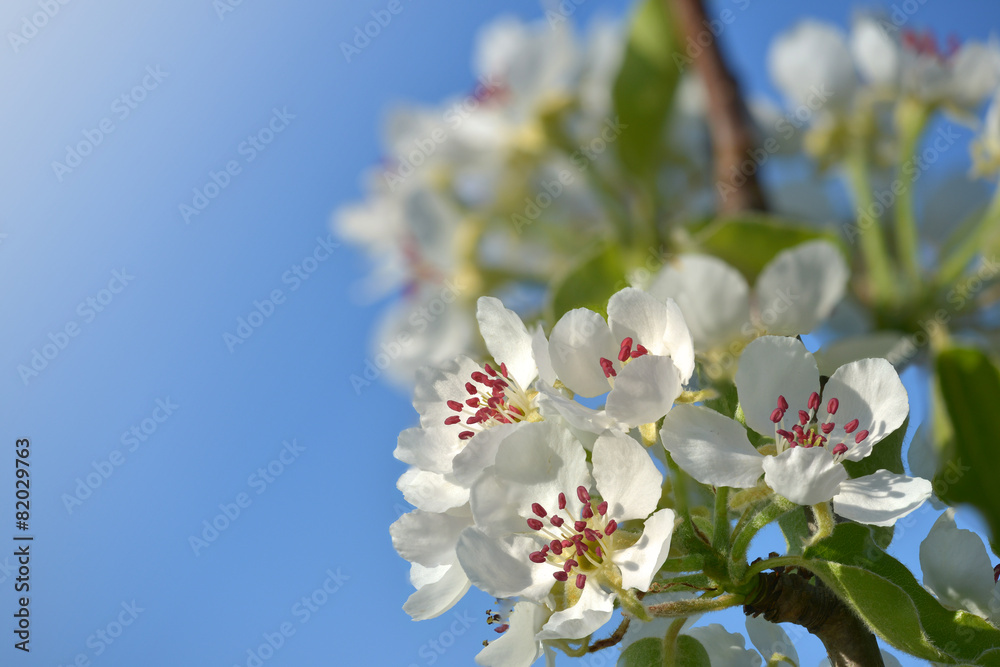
(911, 117)
(720, 530)
(971, 243)
(823, 515)
(773, 510)
(669, 651)
(702, 605)
(869, 232)
(680, 488)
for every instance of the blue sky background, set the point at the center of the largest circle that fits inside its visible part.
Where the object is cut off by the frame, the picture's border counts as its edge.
(160, 338)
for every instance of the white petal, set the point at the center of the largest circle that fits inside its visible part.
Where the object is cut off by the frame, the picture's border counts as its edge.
(812, 57)
(517, 647)
(798, 289)
(626, 477)
(658, 325)
(431, 448)
(805, 476)
(540, 350)
(578, 416)
(591, 611)
(543, 461)
(713, 296)
(432, 599)
(875, 52)
(894, 346)
(479, 453)
(644, 390)
(725, 649)
(880, 498)
(427, 538)
(436, 386)
(773, 366)
(711, 447)
(578, 341)
(640, 562)
(507, 339)
(870, 391)
(495, 512)
(957, 567)
(769, 638)
(501, 566)
(430, 491)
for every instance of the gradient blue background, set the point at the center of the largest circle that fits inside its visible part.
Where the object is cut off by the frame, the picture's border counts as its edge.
(162, 336)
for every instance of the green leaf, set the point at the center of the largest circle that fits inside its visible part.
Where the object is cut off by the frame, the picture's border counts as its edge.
(589, 284)
(643, 91)
(970, 388)
(752, 240)
(643, 653)
(690, 653)
(795, 528)
(886, 595)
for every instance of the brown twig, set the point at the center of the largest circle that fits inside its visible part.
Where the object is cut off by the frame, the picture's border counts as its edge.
(615, 637)
(733, 136)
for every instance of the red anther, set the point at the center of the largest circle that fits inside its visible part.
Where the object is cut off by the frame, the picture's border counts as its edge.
(777, 415)
(583, 494)
(579, 526)
(557, 521)
(611, 527)
(597, 550)
(832, 406)
(839, 449)
(591, 535)
(851, 425)
(860, 436)
(814, 401)
(472, 402)
(996, 574)
(456, 406)
(534, 524)
(465, 435)
(560, 575)
(608, 368)
(536, 557)
(480, 377)
(500, 629)
(538, 510)
(556, 546)
(454, 419)
(567, 543)
(639, 351)
(588, 512)
(516, 410)
(562, 501)
(545, 549)
(471, 388)
(626, 350)
(803, 417)
(489, 369)
(786, 434)
(782, 403)
(569, 565)
(581, 581)
(503, 370)
(602, 509)
(798, 431)
(826, 428)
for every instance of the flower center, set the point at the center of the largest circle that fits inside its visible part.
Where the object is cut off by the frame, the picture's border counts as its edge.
(499, 618)
(925, 44)
(807, 432)
(625, 355)
(575, 546)
(494, 398)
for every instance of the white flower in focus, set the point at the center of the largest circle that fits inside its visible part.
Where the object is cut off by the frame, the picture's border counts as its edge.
(958, 571)
(537, 524)
(517, 645)
(428, 540)
(794, 293)
(779, 391)
(642, 354)
(812, 66)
